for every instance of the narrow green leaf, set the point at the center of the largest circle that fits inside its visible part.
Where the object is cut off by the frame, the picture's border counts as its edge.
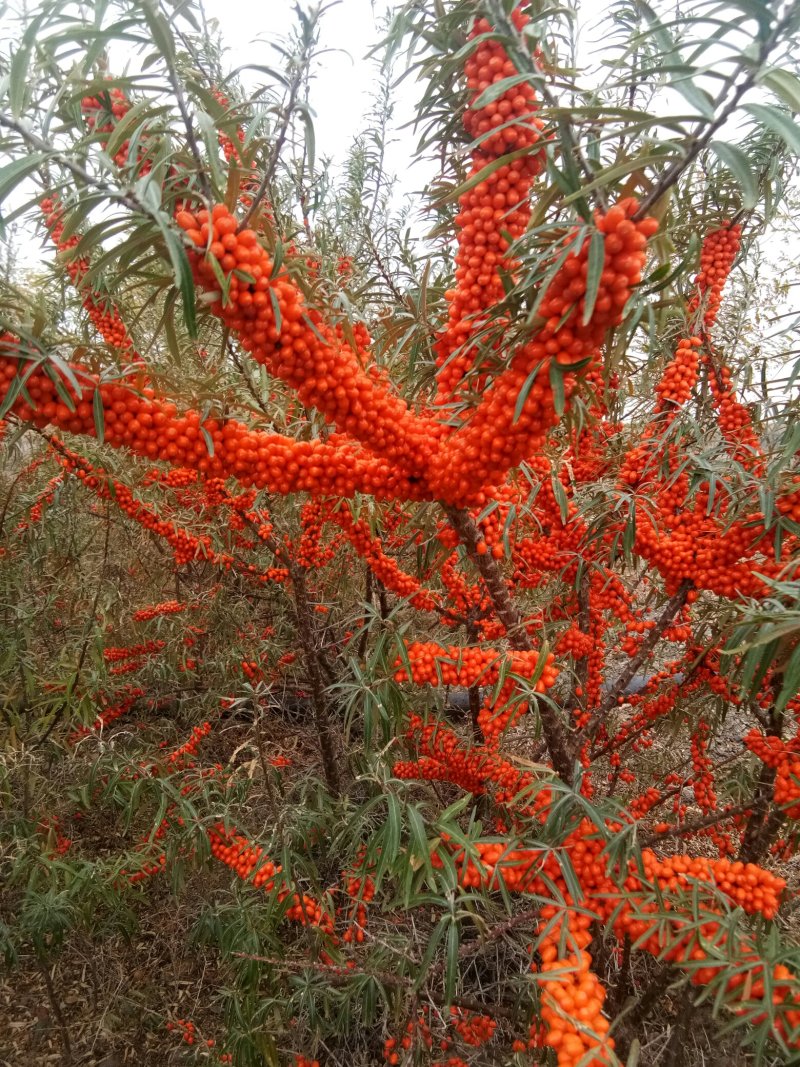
(10, 398)
(159, 30)
(785, 85)
(77, 214)
(99, 416)
(524, 392)
(276, 309)
(311, 138)
(634, 1054)
(596, 262)
(693, 94)
(183, 278)
(557, 385)
(561, 498)
(791, 681)
(738, 164)
(451, 971)
(277, 259)
(18, 80)
(430, 952)
(12, 174)
(779, 122)
(621, 170)
(496, 89)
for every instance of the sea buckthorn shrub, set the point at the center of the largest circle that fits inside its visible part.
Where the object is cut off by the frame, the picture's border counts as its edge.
(400, 650)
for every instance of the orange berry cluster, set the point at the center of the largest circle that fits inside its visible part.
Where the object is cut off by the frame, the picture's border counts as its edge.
(44, 499)
(185, 545)
(58, 843)
(785, 758)
(788, 503)
(496, 209)
(153, 428)
(703, 767)
(734, 419)
(111, 109)
(185, 1028)
(147, 869)
(155, 611)
(719, 250)
(575, 642)
(127, 668)
(749, 886)
(507, 123)
(635, 629)
(443, 757)
(680, 376)
(463, 598)
(251, 863)
(572, 996)
(752, 888)
(486, 864)
(101, 310)
(385, 569)
(109, 714)
(190, 1035)
(496, 437)
(416, 1029)
(309, 551)
(116, 655)
(633, 913)
(177, 758)
(435, 664)
(688, 541)
(252, 669)
(360, 886)
(472, 1028)
(269, 315)
(248, 183)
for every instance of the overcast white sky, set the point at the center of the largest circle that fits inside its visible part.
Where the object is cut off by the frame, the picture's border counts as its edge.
(342, 89)
(345, 80)
(340, 94)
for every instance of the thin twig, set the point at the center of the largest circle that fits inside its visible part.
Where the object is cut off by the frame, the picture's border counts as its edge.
(697, 142)
(342, 976)
(692, 827)
(665, 619)
(277, 148)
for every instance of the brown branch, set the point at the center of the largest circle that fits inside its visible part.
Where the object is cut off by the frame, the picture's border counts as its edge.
(665, 619)
(763, 822)
(555, 734)
(494, 933)
(322, 717)
(364, 638)
(474, 690)
(56, 1007)
(246, 378)
(693, 827)
(89, 621)
(277, 148)
(191, 140)
(698, 143)
(342, 976)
